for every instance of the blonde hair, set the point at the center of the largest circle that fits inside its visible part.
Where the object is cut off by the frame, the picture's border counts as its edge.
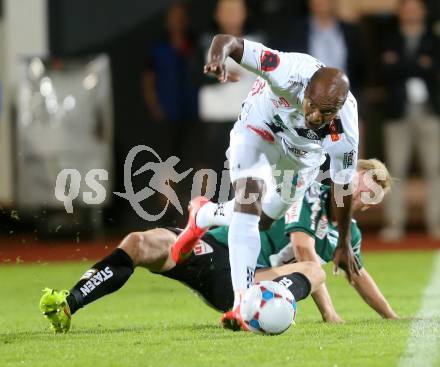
(384, 179)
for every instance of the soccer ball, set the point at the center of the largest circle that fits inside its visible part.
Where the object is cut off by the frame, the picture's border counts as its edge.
(268, 308)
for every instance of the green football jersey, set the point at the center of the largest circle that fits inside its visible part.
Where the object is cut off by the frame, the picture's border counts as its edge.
(312, 217)
(309, 216)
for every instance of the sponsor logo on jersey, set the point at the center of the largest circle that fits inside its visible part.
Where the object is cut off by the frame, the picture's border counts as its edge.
(277, 125)
(292, 215)
(333, 131)
(258, 86)
(300, 182)
(298, 152)
(293, 83)
(307, 133)
(95, 279)
(269, 61)
(349, 159)
(280, 102)
(264, 134)
(312, 135)
(322, 227)
(202, 248)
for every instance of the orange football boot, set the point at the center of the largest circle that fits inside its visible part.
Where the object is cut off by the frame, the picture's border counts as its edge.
(232, 320)
(190, 236)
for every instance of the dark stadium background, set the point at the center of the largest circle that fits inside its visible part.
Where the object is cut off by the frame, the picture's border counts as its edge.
(123, 29)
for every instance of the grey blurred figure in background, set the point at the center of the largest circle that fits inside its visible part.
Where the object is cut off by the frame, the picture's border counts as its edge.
(410, 61)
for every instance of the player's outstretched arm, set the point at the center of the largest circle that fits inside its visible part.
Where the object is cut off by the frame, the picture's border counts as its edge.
(222, 46)
(371, 294)
(304, 248)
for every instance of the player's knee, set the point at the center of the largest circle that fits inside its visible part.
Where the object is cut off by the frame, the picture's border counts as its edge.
(135, 245)
(265, 222)
(248, 194)
(315, 273)
(319, 274)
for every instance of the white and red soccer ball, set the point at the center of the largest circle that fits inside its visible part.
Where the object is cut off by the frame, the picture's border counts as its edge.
(268, 308)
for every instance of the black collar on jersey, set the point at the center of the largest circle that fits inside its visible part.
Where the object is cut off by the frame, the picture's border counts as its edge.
(321, 133)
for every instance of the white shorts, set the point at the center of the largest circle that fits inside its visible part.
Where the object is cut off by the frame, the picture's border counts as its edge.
(256, 152)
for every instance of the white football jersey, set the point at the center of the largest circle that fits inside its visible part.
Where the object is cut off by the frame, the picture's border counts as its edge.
(275, 105)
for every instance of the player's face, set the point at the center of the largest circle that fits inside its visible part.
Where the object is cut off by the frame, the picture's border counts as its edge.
(317, 115)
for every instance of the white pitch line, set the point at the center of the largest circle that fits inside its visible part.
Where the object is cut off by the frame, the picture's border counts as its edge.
(424, 340)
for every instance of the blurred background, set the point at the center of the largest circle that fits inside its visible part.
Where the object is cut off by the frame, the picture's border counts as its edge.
(84, 82)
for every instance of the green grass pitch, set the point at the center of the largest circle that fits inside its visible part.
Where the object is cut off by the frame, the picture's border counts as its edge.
(153, 321)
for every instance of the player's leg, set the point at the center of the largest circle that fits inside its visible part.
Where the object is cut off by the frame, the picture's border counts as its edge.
(300, 278)
(220, 214)
(207, 272)
(250, 157)
(291, 186)
(149, 249)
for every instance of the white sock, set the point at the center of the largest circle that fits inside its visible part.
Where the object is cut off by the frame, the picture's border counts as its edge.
(273, 205)
(244, 248)
(215, 214)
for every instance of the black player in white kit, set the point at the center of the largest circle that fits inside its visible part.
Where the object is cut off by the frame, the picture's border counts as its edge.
(298, 111)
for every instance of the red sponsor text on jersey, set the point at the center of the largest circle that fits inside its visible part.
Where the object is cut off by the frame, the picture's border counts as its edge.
(280, 102)
(333, 131)
(264, 134)
(198, 250)
(258, 86)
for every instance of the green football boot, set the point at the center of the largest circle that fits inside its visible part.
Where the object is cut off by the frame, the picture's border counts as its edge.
(54, 306)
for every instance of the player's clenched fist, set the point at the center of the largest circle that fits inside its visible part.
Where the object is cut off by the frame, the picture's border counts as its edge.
(223, 46)
(219, 70)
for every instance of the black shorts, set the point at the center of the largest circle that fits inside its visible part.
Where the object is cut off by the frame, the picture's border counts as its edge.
(207, 271)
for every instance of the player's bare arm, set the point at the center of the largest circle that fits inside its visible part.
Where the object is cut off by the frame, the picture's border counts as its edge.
(344, 253)
(222, 46)
(304, 249)
(324, 96)
(371, 294)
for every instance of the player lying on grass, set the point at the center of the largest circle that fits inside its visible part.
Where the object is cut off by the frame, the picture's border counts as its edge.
(308, 232)
(313, 234)
(206, 271)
